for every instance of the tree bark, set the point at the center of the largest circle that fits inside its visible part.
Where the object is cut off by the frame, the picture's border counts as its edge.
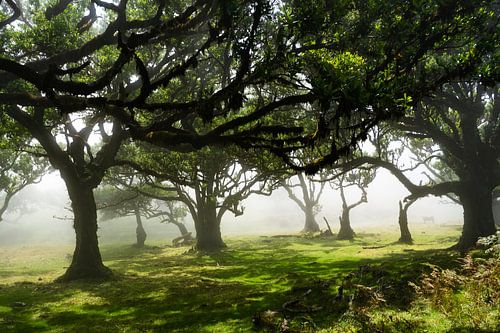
(5, 205)
(310, 224)
(479, 176)
(345, 231)
(87, 262)
(478, 214)
(208, 235)
(182, 228)
(496, 209)
(403, 224)
(139, 230)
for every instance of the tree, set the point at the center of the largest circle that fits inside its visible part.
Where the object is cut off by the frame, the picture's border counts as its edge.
(311, 193)
(210, 182)
(131, 68)
(175, 213)
(17, 170)
(464, 120)
(114, 202)
(363, 59)
(20, 163)
(403, 221)
(127, 193)
(360, 178)
(458, 128)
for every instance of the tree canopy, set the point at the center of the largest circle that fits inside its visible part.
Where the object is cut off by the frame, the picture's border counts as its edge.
(354, 64)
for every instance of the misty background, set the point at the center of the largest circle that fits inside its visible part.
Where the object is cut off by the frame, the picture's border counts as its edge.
(47, 219)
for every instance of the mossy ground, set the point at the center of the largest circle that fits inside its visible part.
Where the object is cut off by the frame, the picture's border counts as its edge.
(164, 289)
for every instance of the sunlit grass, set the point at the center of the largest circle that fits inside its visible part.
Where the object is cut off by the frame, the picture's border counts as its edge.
(165, 289)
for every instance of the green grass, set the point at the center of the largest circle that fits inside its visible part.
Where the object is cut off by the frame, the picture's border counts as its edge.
(165, 289)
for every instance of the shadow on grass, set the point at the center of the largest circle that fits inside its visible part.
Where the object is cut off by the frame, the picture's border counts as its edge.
(166, 291)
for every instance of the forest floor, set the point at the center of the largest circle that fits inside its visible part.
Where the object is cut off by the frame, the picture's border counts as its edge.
(265, 284)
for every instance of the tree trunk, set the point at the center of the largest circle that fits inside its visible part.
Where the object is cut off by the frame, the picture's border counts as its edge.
(6, 201)
(345, 231)
(139, 230)
(87, 262)
(496, 210)
(208, 235)
(182, 228)
(310, 224)
(478, 215)
(403, 225)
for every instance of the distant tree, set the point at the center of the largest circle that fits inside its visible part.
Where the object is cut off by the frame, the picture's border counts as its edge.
(113, 202)
(308, 201)
(210, 182)
(17, 170)
(128, 193)
(20, 162)
(174, 213)
(359, 178)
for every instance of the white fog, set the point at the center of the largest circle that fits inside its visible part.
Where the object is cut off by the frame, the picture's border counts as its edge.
(48, 221)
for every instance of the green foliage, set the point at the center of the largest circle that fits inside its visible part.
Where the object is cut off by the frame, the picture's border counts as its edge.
(469, 293)
(18, 167)
(38, 37)
(178, 66)
(338, 75)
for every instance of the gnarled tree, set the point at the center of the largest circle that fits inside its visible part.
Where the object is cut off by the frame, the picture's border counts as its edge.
(403, 221)
(460, 129)
(311, 191)
(359, 178)
(210, 182)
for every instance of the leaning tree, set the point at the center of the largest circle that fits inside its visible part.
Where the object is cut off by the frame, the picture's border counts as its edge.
(133, 64)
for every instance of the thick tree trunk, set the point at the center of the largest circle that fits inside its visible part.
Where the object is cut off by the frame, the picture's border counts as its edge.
(310, 224)
(139, 230)
(345, 231)
(87, 262)
(403, 225)
(478, 215)
(479, 178)
(208, 235)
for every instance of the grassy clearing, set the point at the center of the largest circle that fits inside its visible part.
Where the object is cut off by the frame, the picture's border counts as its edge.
(164, 289)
